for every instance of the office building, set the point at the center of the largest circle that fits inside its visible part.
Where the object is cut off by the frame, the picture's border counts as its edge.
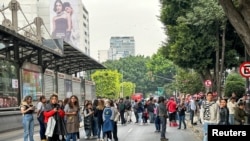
(121, 47)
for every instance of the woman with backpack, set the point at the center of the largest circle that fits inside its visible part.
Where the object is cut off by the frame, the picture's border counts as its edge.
(108, 119)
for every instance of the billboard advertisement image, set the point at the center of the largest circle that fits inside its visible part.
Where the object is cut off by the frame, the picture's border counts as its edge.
(64, 24)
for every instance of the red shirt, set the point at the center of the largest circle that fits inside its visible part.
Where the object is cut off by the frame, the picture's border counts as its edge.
(171, 106)
(50, 113)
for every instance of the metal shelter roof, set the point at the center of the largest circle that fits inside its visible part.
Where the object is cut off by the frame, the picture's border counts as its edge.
(16, 47)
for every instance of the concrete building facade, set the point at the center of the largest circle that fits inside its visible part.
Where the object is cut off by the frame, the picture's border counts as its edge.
(42, 8)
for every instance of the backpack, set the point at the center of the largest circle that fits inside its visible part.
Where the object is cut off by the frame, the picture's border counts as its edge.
(107, 113)
(128, 105)
(121, 107)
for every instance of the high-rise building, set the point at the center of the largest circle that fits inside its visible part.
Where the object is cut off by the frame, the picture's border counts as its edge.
(78, 26)
(121, 47)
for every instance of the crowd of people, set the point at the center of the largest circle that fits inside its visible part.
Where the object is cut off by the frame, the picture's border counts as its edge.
(101, 116)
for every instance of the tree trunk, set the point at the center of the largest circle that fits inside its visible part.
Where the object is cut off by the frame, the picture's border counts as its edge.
(239, 18)
(222, 59)
(217, 65)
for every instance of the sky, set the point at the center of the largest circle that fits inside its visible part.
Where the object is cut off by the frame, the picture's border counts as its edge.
(138, 18)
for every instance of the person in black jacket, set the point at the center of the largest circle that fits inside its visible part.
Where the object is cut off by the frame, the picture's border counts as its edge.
(224, 112)
(181, 112)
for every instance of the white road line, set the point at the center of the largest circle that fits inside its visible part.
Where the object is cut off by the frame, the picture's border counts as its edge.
(130, 130)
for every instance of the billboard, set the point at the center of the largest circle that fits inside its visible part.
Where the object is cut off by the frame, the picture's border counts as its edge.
(54, 44)
(64, 22)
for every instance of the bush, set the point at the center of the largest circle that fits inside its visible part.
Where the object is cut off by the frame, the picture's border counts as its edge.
(235, 83)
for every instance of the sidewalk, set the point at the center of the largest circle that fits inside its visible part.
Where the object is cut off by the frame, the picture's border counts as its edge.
(197, 129)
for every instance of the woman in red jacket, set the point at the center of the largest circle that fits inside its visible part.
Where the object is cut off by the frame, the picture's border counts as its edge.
(54, 109)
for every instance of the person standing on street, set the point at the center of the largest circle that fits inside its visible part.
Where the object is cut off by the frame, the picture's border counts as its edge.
(40, 117)
(72, 118)
(53, 109)
(27, 109)
(162, 112)
(209, 114)
(181, 111)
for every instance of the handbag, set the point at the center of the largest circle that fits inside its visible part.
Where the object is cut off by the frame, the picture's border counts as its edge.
(195, 119)
(50, 127)
(117, 116)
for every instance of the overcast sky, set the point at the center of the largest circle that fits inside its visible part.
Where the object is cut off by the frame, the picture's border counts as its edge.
(136, 18)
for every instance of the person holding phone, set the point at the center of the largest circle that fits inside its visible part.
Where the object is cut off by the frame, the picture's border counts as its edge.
(27, 109)
(54, 109)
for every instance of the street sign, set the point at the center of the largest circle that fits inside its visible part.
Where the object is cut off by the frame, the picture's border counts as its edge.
(160, 90)
(208, 83)
(245, 69)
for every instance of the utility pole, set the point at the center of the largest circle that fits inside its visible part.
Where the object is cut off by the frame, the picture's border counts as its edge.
(122, 83)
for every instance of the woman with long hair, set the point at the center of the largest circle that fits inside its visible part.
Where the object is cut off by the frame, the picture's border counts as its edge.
(27, 109)
(88, 119)
(40, 117)
(95, 119)
(53, 110)
(116, 115)
(99, 111)
(61, 22)
(72, 118)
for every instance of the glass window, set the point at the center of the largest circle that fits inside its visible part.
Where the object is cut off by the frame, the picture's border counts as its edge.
(8, 84)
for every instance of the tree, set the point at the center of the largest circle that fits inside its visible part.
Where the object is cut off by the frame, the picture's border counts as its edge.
(234, 83)
(133, 69)
(197, 38)
(237, 11)
(127, 88)
(161, 71)
(107, 83)
(188, 81)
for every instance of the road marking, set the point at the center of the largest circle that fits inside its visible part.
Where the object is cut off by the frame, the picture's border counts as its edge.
(130, 130)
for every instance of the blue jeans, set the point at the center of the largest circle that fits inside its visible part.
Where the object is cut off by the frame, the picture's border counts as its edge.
(42, 128)
(71, 136)
(99, 130)
(157, 123)
(163, 126)
(192, 116)
(151, 117)
(88, 132)
(182, 120)
(95, 126)
(28, 126)
(205, 130)
(231, 119)
(140, 117)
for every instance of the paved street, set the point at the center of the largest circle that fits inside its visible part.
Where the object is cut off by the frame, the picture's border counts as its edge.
(130, 132)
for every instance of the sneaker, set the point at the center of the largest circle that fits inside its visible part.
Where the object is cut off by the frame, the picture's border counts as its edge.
(164, 139)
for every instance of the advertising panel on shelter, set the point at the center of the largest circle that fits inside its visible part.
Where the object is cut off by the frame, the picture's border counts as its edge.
(32, 84)
(64, 22)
